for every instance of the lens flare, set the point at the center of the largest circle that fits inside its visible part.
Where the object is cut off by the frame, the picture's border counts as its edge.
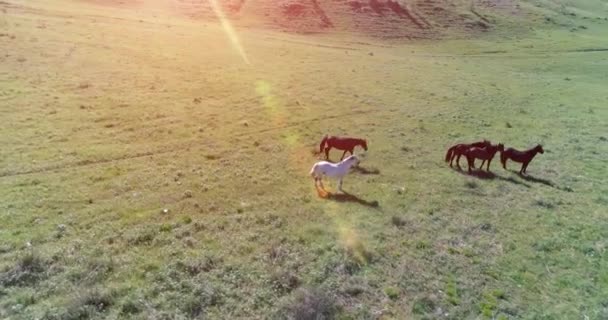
(227, 26)
(275, 109)
(348, 236)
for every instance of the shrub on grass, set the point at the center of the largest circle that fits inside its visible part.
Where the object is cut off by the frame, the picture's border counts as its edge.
(87, 305)
(28, 270)
(423, 306)
(391, 292)
(398, 221)
(141, 237)
(309, 304)
(471, 185)
(131, 306)
(544, 203)
(194, 267)
(285, 280)
(202, 297)
(452, 291)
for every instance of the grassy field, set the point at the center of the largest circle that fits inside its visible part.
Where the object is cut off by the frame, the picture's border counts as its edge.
(153, 166)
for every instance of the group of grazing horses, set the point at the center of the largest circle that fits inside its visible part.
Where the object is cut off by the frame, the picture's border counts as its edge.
(485, 151)
(340, 169)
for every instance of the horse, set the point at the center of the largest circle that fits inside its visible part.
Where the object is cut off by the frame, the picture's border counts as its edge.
(333, 170)
(458, 150)
(486, 153)
(524, 157)
(341, 143)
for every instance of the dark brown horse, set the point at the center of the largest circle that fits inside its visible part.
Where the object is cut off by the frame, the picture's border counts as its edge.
(524, 157)
(458, 150)
(486, 154)
(341, 143)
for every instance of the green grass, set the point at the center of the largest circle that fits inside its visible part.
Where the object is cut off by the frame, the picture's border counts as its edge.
(112, 115)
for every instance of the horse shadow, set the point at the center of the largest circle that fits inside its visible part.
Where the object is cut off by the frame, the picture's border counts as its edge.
(489, 175)
(535, 179)
(362, 170)
(347, 197)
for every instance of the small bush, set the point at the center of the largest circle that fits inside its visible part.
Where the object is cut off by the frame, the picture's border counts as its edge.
(398, 221)
(354, 290)
(488, 305)
(423, 306)
(471, 185)
(309, 304)
(186, 220)
(28, 270)
(422, 244)
(194, 267)
(277, 254)
(97, 268)
(101, 267)
(544, 203)
(452, 291)
(202, 297)
(100, 300)
(141, 237)
(165, 227)
(87, 305)
(391, 292)
(131, 306)
(285, 280)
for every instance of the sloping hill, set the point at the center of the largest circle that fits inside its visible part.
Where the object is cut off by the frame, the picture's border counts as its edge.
(374, 18)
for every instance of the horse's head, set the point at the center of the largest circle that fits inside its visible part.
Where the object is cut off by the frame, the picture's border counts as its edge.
(352, 159)
(487, 143)
(501, 147)
(364, 144)
(539, 148)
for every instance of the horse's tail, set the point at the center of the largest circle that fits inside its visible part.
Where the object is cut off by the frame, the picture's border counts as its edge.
(448, 155)
(321, 147)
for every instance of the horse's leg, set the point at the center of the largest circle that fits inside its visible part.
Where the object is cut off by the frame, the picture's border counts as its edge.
(340, 185)
(525, 166)
(482, 163)
(352, 152)
(458, 160)
(343, 154)
(327, 152)
(488, 167)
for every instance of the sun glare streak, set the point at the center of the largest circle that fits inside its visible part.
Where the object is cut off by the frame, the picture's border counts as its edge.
(348, 236)
(227, 26)
(271, 103)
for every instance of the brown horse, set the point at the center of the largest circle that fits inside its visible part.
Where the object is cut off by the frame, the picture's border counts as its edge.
(341, 143)
(486, 153)
(458, 150)
(524, 157)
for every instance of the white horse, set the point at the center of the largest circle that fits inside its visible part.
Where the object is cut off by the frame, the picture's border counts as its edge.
(333, 170)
